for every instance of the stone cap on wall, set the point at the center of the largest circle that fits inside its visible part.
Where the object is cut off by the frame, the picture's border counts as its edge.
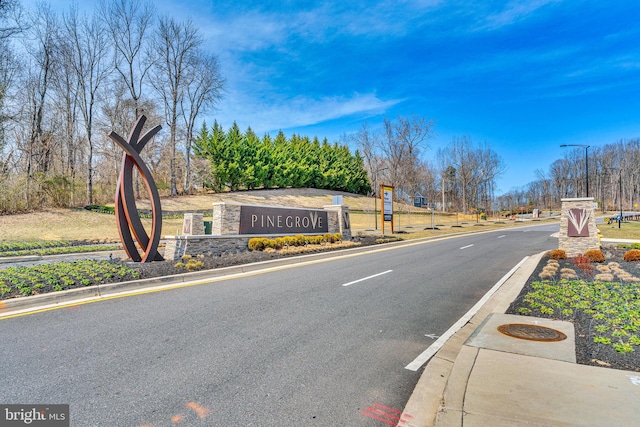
(266, 206)
(577, 199)
(234, 236)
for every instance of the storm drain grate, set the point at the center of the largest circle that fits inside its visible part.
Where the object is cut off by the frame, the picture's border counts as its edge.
(531, 332)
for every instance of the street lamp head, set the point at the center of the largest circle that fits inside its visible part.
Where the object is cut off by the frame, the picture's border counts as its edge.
(575, 145)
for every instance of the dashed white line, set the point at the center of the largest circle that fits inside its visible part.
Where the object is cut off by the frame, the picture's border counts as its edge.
(465, 247)
(500, 237)
(367, 278)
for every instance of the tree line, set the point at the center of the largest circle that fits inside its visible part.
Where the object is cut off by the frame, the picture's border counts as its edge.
(462, 179)
(613, 179)
(236, 160)
(67, 79)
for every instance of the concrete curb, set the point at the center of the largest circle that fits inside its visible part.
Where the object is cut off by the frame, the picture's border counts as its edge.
(437, 386)
(28, 258)
(50, 300)
(24, 304)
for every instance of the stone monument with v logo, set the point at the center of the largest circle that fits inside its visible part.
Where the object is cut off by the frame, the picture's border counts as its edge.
(578, 232)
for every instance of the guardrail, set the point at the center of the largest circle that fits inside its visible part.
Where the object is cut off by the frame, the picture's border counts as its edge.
(626, 216)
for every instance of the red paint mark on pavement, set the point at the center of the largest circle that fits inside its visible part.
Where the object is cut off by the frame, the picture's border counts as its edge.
(200, 410)
(405, 419)
(383, 414)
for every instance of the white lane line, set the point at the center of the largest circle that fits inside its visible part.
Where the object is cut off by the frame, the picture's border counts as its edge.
(433, 348)
(465, 247)
(367, 278)
(500, 237)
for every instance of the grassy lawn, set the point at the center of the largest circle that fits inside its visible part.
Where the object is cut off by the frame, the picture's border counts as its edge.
(627, 230)
(80, 224)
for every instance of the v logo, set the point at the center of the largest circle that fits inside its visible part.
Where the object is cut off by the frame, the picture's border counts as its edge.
(578, 225)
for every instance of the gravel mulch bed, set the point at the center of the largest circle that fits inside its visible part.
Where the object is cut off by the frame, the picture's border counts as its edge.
(602, 301)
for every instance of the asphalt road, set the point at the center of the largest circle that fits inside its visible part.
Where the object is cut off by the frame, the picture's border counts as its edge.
(324, 344)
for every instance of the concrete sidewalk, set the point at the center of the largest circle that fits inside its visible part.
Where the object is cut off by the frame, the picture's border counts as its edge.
(483, 377)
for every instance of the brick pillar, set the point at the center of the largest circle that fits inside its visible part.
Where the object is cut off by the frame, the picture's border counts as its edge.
(193, 224)
(578, 231)
(344, 221)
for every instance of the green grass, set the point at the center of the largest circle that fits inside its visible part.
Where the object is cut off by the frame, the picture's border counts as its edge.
(627, 230)
(49, 247)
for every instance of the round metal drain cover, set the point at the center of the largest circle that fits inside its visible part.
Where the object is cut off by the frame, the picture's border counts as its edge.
(531, 332)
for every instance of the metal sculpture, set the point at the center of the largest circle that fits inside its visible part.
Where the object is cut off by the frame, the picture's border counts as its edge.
(127, 217)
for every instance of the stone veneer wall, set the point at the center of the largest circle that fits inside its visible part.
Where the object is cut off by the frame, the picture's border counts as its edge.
(177, 246)
(578, 245)
(193, 224)
(226, 219)
(340, 222)
(225, 237)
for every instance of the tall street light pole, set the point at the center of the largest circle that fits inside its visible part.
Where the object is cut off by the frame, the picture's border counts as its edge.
(586, 161)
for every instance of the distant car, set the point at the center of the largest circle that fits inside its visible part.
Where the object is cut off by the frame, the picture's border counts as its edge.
(615, 218)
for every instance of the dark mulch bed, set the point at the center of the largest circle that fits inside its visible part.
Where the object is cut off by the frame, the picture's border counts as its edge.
(157, 269)
(33, 284)
(587, 351)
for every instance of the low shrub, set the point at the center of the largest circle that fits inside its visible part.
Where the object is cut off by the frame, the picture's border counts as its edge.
(595, 255)
(583, 263)
(632, 255)
(258, 243)
(558, 254)
(262, 243)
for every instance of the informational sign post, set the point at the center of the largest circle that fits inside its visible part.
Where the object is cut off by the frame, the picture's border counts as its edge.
(387, 205)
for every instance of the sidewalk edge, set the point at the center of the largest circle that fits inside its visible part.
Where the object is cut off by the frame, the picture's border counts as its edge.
(427, 400)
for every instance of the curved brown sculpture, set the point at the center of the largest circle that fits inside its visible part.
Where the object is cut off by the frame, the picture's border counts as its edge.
(128, 220)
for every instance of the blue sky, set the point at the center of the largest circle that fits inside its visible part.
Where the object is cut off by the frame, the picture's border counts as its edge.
(522, 76)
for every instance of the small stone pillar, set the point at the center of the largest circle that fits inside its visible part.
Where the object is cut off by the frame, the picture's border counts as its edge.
(193, 224)
(578, 231)
(344, 221)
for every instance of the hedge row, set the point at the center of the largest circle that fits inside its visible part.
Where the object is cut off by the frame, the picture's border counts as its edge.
(261, 243)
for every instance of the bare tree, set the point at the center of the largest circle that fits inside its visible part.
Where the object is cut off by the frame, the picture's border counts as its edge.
(65, 87)
(367, 143)
(129, 22)
(203, 90)
(476, 169)
(177, 44)
(39, 142)
(89, 51)
(401, 146)
(10, 19)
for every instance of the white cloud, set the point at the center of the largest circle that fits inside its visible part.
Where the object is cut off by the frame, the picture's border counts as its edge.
(272, 115)
(514, 12)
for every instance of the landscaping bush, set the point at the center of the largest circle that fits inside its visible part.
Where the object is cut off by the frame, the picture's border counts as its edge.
(583, 263)
(632, 255)
(262, 243)
(558, 254)
(595, 255)
(258, 243)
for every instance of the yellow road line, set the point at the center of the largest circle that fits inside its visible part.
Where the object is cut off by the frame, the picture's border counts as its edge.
(161, 288)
